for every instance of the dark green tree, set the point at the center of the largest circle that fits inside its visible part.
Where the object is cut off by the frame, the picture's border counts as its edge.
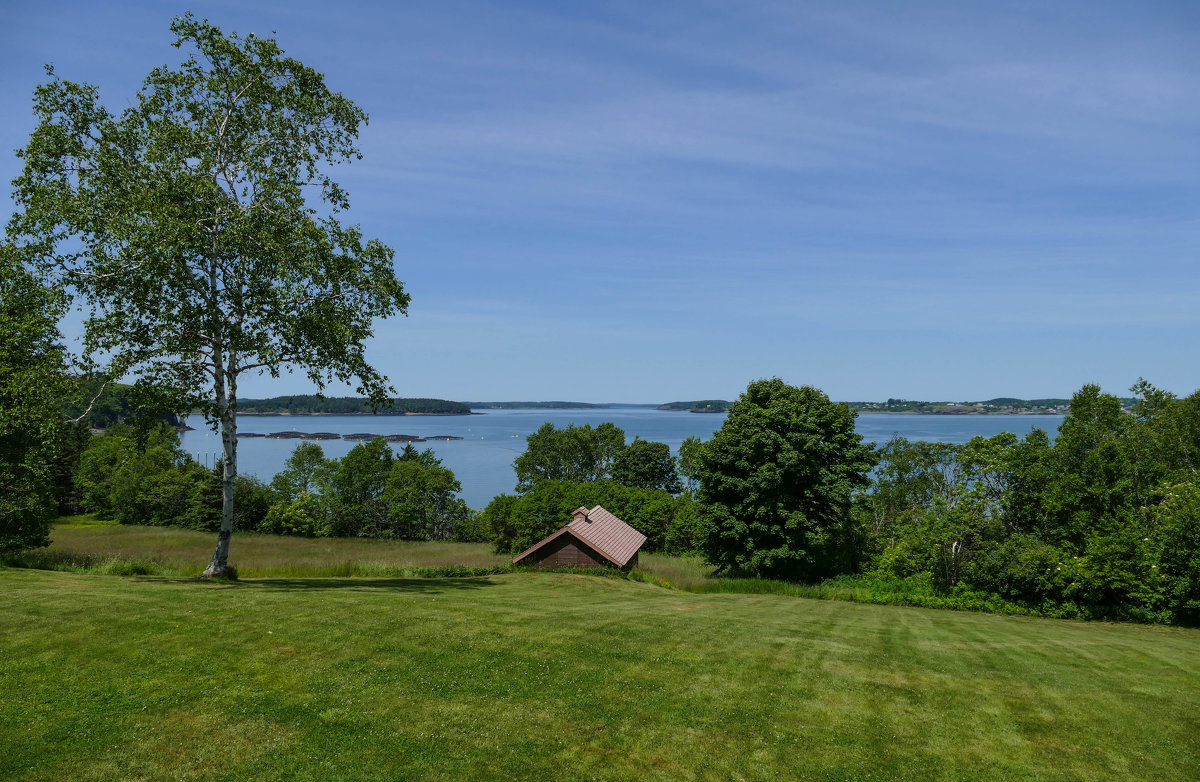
(1166, 435)
(645, 464)
(253, 500)
(141, 475)
(776, 481)
(300, 505)
(1095, 477)
(576, 454)
(497, 521)
(908, 478)
(688, 528)
(422, 498)
(1174, 553)
(187, 224)
(31, 423)
(304, 472)
(355, 490)
(689, 462)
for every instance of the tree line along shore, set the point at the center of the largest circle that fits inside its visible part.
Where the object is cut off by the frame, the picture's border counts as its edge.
(115, 402)
(312, 405)
(1101, 523)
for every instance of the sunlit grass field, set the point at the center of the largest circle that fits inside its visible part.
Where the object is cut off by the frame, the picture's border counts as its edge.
(90, 542)
(561, 676)
(87, 544)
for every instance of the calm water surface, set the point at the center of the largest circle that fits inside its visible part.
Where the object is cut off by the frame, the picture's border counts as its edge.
(482, 460)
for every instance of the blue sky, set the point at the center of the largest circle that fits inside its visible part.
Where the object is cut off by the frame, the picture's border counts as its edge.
(644, 202)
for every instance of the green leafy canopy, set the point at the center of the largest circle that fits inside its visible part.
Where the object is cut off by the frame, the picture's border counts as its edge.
(188, 222)
(776, 482)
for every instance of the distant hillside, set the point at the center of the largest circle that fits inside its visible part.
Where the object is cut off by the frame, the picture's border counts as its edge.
(533, 405)
(308, 404)
(1001, 405)
(698, 406)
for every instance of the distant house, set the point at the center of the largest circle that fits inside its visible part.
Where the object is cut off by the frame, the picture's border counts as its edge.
(594, 538)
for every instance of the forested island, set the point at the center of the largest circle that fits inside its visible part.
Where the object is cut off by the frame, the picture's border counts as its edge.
(700, 406)
(998, 406)
(1003, 405)
(534, 406)
(310, 404)
(113, 402)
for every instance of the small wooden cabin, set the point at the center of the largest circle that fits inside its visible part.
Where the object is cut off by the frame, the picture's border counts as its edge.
(594, 538)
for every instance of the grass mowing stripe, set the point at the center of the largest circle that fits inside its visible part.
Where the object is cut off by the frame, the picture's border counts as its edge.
(525, 675)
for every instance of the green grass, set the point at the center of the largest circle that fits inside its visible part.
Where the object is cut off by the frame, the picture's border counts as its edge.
(83, 521)
(561, 676)
(85, 544)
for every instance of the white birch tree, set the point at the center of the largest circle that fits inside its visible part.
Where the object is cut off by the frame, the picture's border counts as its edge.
(200, 229)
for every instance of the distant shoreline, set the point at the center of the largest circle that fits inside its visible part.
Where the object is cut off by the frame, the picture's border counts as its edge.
(363, 414)
(698, 412)
(951, 413)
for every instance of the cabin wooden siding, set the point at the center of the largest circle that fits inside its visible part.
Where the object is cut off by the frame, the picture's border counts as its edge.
(567, 551)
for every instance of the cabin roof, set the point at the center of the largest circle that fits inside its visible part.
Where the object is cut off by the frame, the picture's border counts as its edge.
(612, 538)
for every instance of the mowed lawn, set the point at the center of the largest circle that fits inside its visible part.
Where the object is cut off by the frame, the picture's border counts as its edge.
(560, 676)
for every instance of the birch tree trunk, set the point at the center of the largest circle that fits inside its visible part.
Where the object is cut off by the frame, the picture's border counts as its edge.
(227, 405)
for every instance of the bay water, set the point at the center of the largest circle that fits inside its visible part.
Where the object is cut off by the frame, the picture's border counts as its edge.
(483, 459)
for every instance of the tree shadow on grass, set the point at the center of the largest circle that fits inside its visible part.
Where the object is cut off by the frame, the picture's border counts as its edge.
(422, 585)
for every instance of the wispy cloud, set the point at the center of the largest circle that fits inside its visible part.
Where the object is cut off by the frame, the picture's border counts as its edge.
(695, 193)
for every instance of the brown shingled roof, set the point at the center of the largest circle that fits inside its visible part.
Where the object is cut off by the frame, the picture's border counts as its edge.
(609, 535)
(612, 538)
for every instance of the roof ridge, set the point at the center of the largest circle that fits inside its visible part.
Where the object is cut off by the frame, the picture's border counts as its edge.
(611, 537)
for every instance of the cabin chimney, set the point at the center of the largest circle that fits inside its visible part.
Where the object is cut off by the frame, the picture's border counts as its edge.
(580, 514)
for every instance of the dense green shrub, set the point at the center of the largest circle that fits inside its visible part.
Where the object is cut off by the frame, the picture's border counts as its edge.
(141, 476)
(421, 497)
(1103, 522)
(370, 492)
(305, 516)
(645, 464)
(252, 500)
(31, 424)
(496, 520)
(1173, 553)
(689, 528)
